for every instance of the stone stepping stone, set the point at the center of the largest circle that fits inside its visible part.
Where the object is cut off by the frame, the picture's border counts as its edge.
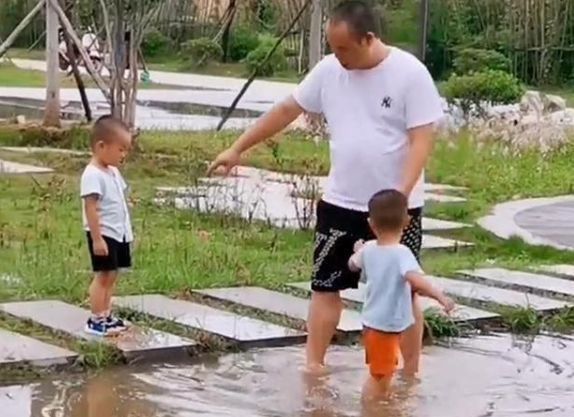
(135, 343)
(16, 400)
(243, 330)
(33, 149)
(443, 198)
(461, 314)
(431, 242)
(16, 349)
(7, 167)
(471, 291)
(536, 283)
(443, 187)
(563, 271)
(430, 224)
(279, 303)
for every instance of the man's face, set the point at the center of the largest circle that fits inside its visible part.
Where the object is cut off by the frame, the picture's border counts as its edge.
(351, 51)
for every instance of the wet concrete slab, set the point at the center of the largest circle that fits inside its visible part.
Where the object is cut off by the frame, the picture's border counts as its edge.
(18, 349)
(134, 344)
(16, 401)
(8, 167)
(431, 242)
(461, 314)
(279, 303)
(443, 198)
(540, 284)
(430, 224)
(479, 294)
(243, 330)
(563, 271)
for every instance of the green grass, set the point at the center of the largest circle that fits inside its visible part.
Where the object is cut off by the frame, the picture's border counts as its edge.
(41, 240)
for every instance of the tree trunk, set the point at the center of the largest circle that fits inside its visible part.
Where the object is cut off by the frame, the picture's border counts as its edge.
(21, 26)
(52, 109)
(315, 33)
(227, 30)
(424, 16)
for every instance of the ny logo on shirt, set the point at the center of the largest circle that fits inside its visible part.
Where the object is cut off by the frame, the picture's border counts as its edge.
(386, 102)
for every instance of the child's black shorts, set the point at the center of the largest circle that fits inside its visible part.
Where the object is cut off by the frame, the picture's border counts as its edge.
(119, 255)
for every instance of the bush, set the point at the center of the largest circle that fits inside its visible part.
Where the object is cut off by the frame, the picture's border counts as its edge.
(276, 62)
(242, 41)
(201, 51)
(471, 91)
(478, 60)
(155, 43)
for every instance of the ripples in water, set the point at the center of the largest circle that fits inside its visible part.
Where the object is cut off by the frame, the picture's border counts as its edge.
(495, 376)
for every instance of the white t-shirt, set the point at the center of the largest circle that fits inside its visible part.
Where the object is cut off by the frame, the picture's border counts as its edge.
(369, 113)
(113, 210)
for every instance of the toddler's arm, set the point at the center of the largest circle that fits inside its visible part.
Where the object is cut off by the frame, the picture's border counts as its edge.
(356, 260)
(425, 288)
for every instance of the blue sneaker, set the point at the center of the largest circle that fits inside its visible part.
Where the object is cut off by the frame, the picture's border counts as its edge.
(115, 324)
(96, 327)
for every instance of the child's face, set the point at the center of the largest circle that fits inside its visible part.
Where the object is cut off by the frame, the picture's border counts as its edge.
(115, 150)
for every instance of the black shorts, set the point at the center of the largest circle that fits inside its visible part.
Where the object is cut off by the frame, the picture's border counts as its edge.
(119, 255)
(336, 232)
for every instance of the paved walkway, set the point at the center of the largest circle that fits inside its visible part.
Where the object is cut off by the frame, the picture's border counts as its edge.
(542, 221)
(262, 322)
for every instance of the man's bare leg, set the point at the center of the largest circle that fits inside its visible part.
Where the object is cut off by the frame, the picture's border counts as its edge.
(412, 341)
(324, 314)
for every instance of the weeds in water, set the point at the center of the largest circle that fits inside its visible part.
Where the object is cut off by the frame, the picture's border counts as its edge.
(440, 326)
(529, 321)
(521, 320)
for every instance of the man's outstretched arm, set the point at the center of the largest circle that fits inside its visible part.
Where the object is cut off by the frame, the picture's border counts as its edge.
(271, 123)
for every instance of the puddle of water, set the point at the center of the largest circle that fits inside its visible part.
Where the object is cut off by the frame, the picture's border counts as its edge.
(482, 377)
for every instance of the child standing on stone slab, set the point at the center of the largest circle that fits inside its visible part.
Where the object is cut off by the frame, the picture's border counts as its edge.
(106, 220)
(391, 275)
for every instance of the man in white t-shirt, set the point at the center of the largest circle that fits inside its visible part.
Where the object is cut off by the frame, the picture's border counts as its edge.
(380, 104)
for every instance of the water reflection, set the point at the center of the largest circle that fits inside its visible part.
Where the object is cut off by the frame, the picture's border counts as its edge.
(486, 376)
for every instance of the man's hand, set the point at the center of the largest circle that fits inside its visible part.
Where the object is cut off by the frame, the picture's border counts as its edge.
(224, 162)
(100, 247)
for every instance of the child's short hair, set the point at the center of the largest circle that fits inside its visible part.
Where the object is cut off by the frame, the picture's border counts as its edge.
(388, 209)
(105, 127)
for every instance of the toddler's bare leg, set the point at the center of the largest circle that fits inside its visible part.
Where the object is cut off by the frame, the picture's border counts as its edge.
(376, 390)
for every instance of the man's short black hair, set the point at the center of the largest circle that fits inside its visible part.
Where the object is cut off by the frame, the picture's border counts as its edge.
(388, 210)
(359, 16)
(105, 127)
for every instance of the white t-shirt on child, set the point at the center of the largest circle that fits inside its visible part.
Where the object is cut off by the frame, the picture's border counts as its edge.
(369, 113)
(111, 189)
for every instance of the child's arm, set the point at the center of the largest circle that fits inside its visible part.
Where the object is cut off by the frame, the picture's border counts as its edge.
(91, 190)
(425, 288)
(356, 260)
(91, 207)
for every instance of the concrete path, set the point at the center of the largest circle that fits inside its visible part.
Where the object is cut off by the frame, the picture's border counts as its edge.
(17, 349)
(245, 331)
(543, 285)
(8, 167)
(463, 313)
(134, 344)
(541, 221)
(279, 303)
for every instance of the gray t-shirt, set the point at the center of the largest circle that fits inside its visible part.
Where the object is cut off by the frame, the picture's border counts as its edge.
(111, 189)
(388, 299)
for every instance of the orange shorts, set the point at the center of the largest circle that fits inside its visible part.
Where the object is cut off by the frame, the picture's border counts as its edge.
(382, 352)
